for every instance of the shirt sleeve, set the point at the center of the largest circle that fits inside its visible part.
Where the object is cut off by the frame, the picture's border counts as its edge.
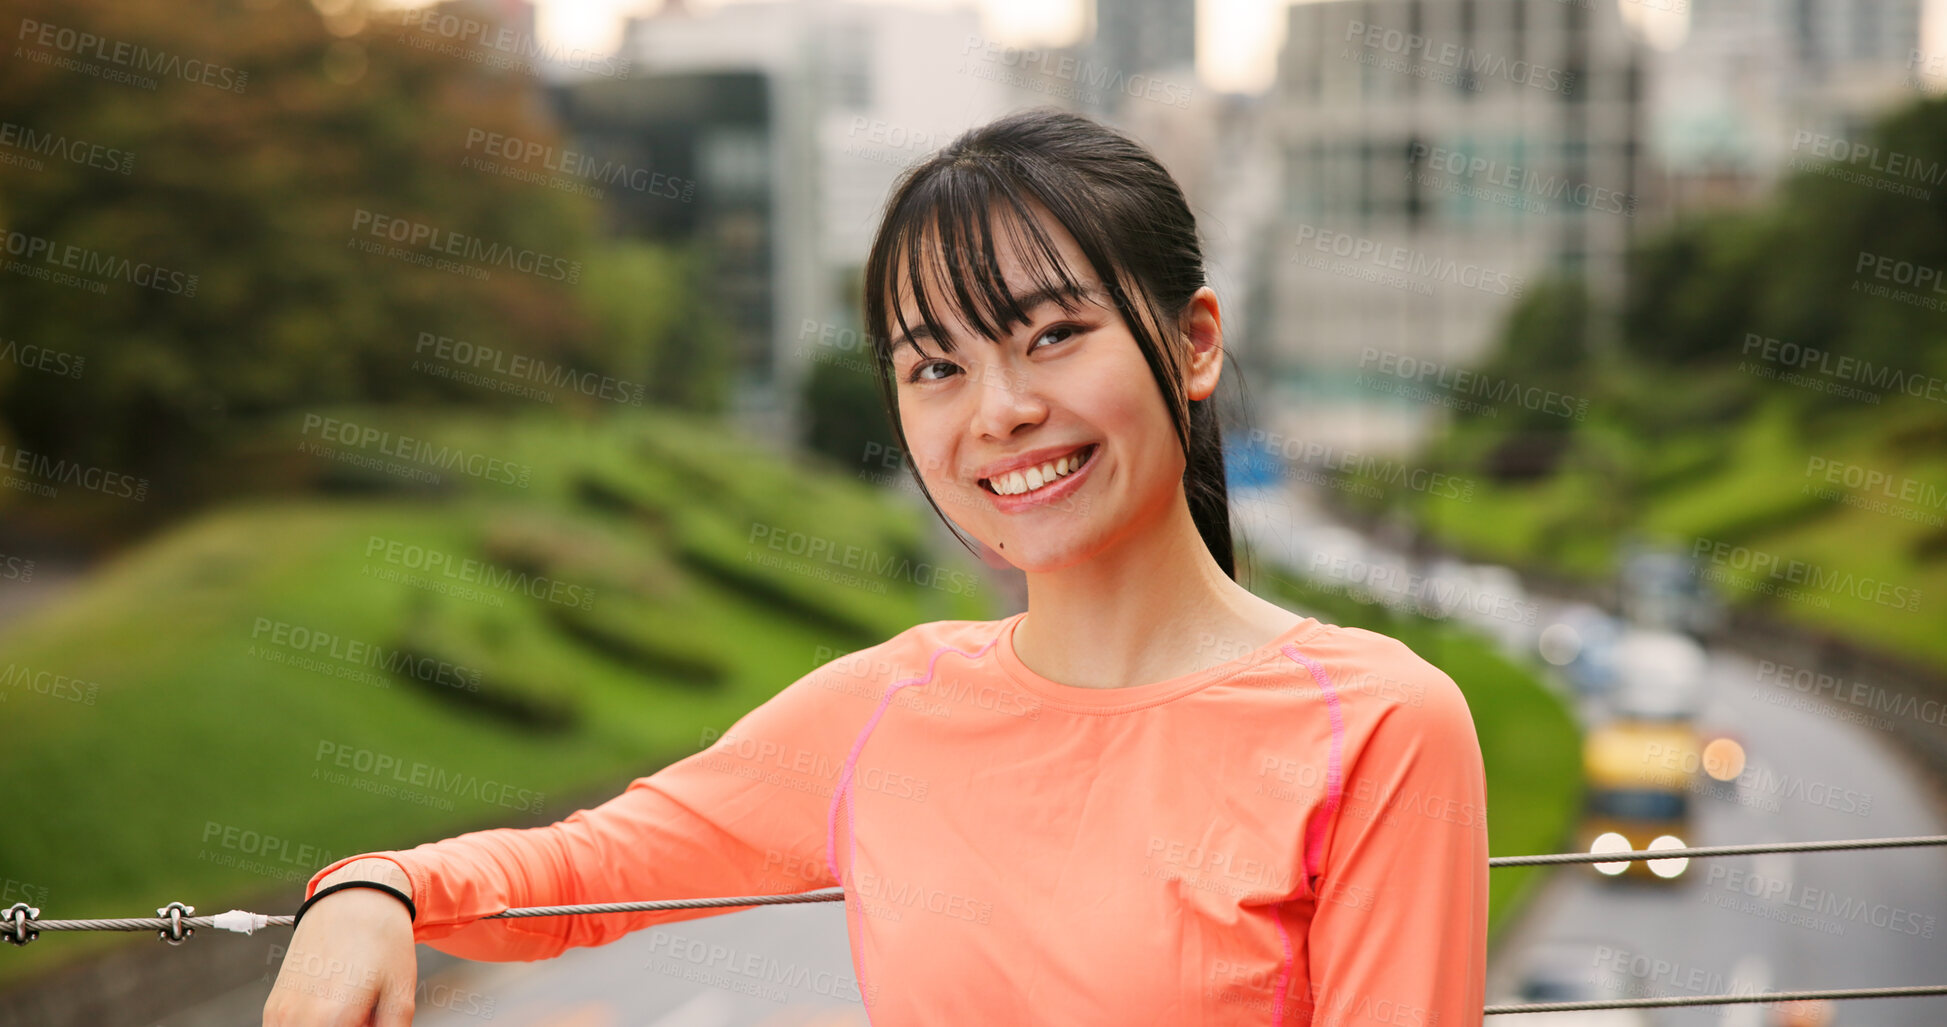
(1399, 934)
(746, 816)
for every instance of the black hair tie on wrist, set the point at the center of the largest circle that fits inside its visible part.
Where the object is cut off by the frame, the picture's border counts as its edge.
(412, 911)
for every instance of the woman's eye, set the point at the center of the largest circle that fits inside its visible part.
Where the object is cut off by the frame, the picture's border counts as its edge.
(1067, 330)
(917, 374)
(918, 371)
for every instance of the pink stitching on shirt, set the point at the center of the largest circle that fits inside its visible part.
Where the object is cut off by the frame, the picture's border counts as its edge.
(858, 746)
(1315, 830)
(844, 789)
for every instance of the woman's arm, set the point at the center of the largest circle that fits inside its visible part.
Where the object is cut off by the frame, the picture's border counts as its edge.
(746, 816)
(1400, 930)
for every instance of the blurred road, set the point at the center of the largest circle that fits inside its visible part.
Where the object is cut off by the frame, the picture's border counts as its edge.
(1780, 920)
(1744, 924)
(788, 966)
(785, 966)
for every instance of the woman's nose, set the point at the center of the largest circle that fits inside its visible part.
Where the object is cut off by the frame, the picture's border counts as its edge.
(1006, 399)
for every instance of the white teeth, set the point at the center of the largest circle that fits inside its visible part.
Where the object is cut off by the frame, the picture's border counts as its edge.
(1017, 482)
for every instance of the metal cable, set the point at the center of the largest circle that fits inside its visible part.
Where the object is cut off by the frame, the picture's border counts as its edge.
(1713, 850)
(140, 923)
(20, 925)
(9, 931)
(163, 923)
(821, 895)
(1708, 1000)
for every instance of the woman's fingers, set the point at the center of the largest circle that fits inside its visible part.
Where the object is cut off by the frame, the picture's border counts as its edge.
(394, 1007)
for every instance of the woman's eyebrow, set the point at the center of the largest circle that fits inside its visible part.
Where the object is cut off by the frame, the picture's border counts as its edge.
(1029, 304)
(1053, 293)
(918, 331)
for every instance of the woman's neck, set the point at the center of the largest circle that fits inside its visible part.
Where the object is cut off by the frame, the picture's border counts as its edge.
(1153, 606)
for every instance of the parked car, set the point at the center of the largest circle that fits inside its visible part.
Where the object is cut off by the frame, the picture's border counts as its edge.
(1660, 674)
(1660, 588)
(1584, 645)
(1487, 597)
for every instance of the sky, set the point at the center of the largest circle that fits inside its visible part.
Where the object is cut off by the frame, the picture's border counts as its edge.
(1237, 40)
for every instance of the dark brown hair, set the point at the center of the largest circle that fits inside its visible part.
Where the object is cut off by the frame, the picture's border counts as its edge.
(1130, 220)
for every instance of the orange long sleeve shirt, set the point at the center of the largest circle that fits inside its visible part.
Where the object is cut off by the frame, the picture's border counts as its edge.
(1296, 835)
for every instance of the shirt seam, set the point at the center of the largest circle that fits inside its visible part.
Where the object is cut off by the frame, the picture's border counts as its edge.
(842, 797)
(841, 791)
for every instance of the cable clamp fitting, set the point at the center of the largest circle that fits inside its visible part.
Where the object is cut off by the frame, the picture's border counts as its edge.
(13, 923)
(175, 933)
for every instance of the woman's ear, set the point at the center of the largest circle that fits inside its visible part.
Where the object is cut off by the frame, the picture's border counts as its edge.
(1203, 326)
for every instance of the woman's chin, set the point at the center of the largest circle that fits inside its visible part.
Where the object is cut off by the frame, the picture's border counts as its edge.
(1038, 556)
(992, 558)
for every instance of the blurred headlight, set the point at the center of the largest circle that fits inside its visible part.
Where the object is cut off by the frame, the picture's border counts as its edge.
(1668, 867)
(1610, 841)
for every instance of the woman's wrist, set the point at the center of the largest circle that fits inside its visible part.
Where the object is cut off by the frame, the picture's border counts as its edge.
(374, 868)
(354, 885)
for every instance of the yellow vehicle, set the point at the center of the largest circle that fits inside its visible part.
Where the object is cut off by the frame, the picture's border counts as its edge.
(1640, 773)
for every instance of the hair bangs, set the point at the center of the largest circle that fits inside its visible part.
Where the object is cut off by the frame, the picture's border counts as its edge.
(947, 234)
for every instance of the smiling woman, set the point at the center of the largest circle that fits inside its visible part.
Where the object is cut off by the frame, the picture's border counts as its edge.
(1152, 797)
(1046, 221)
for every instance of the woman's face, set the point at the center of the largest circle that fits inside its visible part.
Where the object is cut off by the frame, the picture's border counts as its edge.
(1067, 386)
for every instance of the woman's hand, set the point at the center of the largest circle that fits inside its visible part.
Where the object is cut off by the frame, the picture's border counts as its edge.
(351, 963)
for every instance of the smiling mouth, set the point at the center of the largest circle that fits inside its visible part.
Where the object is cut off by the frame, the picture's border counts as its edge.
(1017, 483)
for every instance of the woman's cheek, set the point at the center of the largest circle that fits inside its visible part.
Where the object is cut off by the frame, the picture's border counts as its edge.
(944, 487)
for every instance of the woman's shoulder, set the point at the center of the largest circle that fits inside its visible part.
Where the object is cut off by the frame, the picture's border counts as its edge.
(905, 653)
(1367, 670)
(929, 637)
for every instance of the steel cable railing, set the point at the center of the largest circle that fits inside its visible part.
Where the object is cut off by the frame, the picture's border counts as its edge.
(175, 922)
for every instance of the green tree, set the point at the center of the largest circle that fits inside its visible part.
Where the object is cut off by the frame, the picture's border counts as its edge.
(1805, 266)
(1695, 287)
(844, 412)
(655, 326)
(263, 191)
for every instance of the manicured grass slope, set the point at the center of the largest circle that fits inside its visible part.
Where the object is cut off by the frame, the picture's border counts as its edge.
(1747, 484)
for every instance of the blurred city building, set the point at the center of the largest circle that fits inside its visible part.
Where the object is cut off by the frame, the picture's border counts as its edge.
(1739, 90)
(793, 118)
(1436, 159)
(851, 94)
(1140, 36)
(1417, 166)
(696, 146)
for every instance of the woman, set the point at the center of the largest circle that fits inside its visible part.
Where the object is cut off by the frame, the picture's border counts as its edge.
(1153, 797)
